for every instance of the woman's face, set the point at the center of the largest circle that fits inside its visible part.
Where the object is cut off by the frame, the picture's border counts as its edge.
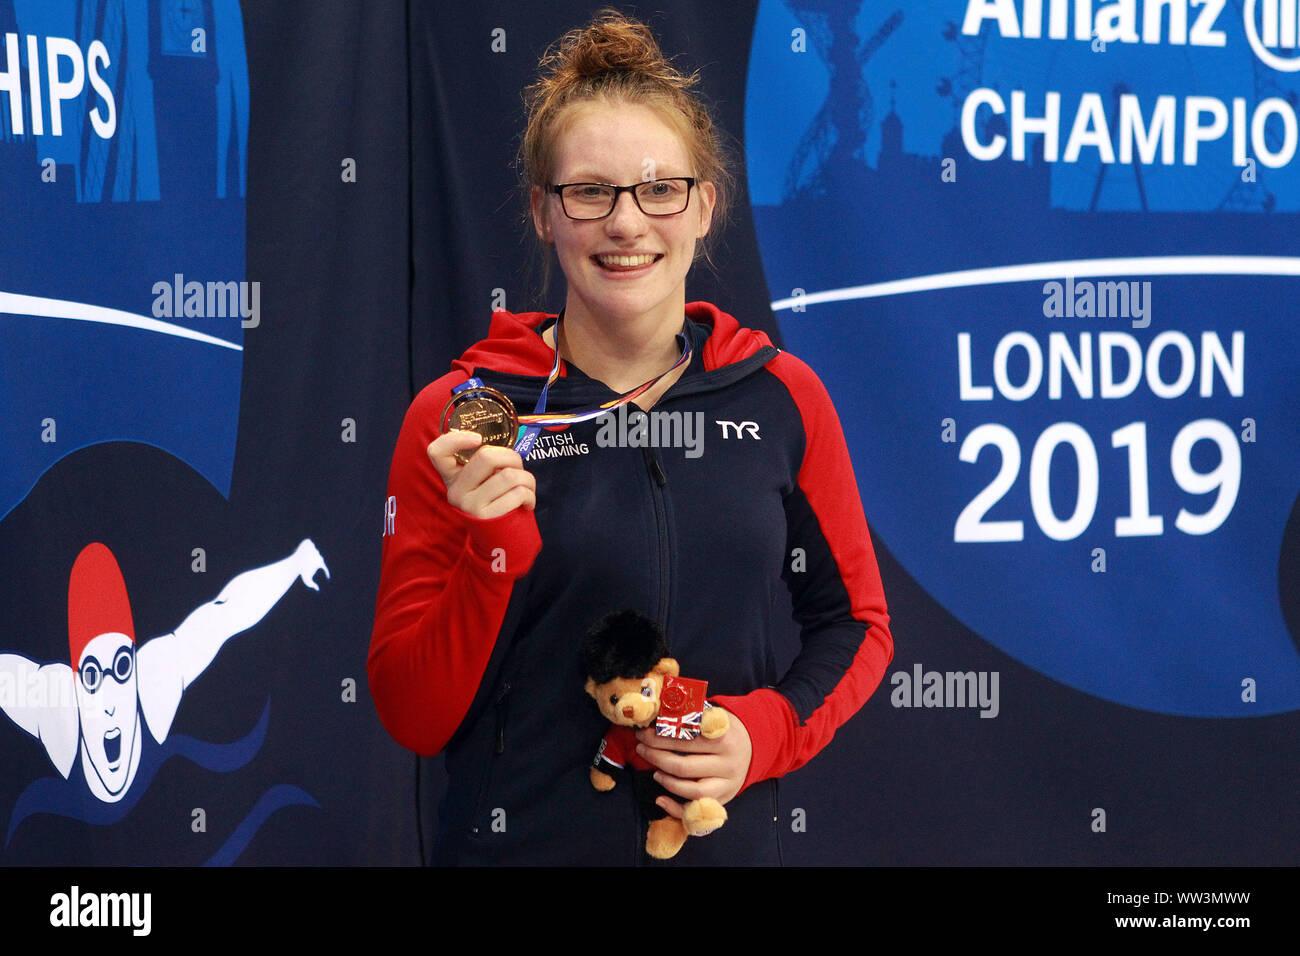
(627, 266)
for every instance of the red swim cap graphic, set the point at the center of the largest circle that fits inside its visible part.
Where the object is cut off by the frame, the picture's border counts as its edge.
(97, 602)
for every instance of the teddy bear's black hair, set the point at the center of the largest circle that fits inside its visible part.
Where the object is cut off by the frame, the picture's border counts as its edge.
(622, 644)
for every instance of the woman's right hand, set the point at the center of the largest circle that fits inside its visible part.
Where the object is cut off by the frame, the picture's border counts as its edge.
(492, 484)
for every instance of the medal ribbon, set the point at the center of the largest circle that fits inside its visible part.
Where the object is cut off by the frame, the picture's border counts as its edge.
(540, 418)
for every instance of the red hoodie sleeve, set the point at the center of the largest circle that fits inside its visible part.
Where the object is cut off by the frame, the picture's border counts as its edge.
(444, 585)
(838, 598)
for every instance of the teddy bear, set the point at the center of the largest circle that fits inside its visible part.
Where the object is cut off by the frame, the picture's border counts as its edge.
(625, 658)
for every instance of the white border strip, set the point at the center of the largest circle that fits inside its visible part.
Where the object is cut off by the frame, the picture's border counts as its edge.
(1046, 271)
(17, 304)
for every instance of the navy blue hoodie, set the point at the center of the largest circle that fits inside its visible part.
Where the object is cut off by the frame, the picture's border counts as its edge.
(750, 509)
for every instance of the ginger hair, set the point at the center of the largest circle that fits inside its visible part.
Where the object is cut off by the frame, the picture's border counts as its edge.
(616, 59)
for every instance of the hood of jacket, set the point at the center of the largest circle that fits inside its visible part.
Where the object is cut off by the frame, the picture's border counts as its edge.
(514, 347)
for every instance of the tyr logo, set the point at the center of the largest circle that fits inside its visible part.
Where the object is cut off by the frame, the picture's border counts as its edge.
(741, 428)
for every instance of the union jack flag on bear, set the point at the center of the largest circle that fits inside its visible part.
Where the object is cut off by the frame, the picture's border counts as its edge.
(682, 707)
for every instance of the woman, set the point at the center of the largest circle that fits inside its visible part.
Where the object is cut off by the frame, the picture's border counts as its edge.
(494, 567)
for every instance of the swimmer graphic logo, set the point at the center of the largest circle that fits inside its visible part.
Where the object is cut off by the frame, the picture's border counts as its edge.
(100, 629)
(94, 708)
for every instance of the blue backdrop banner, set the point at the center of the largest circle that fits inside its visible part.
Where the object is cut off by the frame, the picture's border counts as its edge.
(1044, 259)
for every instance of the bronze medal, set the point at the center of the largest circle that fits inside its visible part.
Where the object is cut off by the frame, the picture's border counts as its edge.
(484, 410)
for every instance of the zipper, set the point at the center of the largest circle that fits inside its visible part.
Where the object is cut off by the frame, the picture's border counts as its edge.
(480, 802)
(776, 820)
(501, 718)
(658, 481)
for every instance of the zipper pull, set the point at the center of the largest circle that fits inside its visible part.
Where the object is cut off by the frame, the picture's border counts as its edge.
(656, 471)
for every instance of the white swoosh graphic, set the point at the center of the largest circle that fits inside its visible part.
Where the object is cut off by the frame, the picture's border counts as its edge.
(84, 312)
(1041, 271)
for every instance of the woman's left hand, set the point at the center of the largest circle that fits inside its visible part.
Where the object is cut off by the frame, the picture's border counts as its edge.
(697, 768)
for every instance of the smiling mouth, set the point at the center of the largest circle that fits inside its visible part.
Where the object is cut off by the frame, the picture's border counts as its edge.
(113, 747)
(620, 263)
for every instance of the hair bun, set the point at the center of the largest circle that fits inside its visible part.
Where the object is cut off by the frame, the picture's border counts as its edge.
(612, 44)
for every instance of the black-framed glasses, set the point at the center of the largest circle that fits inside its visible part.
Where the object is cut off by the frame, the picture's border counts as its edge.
(654, 197)
(92, 674)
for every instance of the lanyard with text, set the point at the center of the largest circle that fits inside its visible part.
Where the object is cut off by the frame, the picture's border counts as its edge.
(475, 392)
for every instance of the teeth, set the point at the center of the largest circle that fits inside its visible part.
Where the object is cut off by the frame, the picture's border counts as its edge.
(641, 260)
